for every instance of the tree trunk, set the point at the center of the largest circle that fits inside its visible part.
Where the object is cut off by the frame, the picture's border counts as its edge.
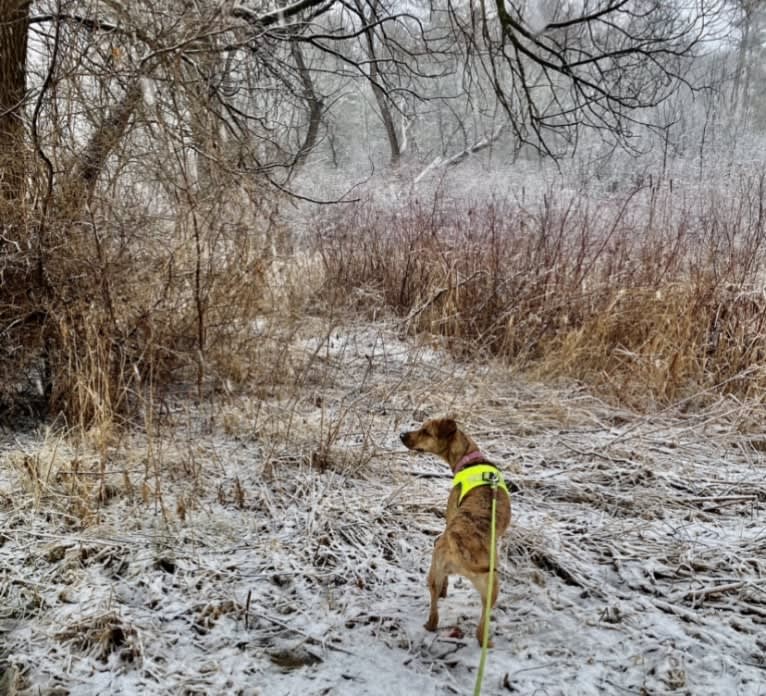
(203, 79)
(385, 112)
(14, 17)
(377, 89)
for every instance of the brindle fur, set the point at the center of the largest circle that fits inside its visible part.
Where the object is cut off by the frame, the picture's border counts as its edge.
(463, 547)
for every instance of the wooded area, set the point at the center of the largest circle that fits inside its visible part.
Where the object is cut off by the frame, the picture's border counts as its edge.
(147, 149)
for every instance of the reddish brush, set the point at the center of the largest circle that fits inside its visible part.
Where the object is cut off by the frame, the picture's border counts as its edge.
(650, 298)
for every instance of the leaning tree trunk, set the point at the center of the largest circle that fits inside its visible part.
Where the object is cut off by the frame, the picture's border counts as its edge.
(14, 18)
(313, 101)
(77, 188)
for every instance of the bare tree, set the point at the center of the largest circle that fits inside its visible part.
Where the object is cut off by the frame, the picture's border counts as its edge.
(600, 65)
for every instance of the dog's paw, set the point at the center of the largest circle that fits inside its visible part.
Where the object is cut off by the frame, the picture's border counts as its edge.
(431, 625)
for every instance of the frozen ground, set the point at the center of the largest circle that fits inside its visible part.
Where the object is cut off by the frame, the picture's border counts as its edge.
(279, 545)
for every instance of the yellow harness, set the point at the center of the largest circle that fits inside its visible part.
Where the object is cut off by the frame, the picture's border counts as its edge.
(477, 475)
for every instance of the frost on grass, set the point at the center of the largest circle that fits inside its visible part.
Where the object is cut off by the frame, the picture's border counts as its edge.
(281, 546)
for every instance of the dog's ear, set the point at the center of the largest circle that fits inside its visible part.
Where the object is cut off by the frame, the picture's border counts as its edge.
(445, 428)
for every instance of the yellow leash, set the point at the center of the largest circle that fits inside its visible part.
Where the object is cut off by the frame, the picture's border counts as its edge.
(490, 588)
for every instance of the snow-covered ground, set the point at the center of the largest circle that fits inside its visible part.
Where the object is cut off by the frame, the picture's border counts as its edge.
(280, 545)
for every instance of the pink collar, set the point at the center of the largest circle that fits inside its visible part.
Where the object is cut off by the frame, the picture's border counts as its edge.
(468, 459)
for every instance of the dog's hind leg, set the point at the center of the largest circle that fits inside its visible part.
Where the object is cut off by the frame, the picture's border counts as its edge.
(481, 583)
(437, 583)
(445, 582)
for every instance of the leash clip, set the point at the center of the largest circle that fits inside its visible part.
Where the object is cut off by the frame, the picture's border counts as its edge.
(491, 478)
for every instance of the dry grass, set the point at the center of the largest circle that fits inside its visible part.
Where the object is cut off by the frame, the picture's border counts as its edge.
(652, 299)
(102, 635)
(107, 316)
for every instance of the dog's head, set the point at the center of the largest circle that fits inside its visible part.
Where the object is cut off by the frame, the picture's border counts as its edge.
(435, 436)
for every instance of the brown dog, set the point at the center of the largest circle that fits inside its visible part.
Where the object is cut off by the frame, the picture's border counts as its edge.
(463, 548)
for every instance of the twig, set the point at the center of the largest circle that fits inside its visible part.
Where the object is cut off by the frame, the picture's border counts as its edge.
(308, 636)
(682, 613)
(436, 295)
(431, 474)
(599, 455)
(719, 499)
(713, 590)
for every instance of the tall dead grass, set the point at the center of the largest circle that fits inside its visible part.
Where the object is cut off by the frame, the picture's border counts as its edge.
(140, 297)
(653, 298)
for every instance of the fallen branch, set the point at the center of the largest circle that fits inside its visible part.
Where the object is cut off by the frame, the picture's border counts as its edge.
(463, 154)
